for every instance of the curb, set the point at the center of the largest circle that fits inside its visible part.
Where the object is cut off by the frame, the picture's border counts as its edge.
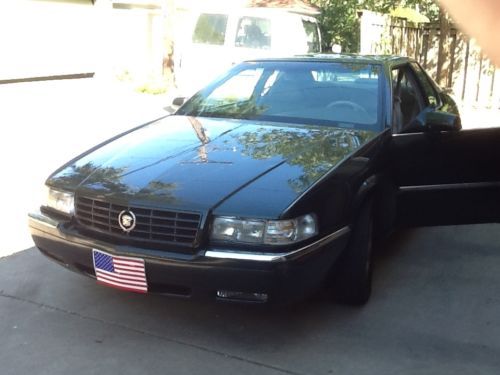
(47, 78)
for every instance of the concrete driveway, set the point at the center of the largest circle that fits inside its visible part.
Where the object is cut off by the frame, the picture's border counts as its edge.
(435, 310)
(45, 124)
(435, 307)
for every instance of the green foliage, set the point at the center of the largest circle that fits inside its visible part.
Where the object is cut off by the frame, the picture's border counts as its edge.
(107, 180)
(314, 151)
(339, 23)
(153, 86)
(339, 18)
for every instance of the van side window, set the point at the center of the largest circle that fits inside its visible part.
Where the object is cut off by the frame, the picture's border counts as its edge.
(312, 35)
(210, 29)
(253, 32)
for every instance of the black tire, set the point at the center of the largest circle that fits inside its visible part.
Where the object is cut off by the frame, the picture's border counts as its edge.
(352, 274)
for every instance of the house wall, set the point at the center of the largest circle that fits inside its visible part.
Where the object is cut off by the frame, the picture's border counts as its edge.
(44, 38)
(136, 40)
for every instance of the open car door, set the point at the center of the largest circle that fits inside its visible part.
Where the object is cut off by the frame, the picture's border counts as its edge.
(444, 174)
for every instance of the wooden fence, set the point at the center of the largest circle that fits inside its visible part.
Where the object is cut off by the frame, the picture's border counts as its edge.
(453, 60)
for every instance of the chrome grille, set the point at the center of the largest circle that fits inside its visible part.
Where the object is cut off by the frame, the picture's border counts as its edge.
(159, 226)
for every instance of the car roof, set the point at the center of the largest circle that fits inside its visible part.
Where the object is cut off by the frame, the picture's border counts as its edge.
(342, 57)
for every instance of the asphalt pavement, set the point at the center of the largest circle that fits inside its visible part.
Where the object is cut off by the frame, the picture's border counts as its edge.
(435, 310)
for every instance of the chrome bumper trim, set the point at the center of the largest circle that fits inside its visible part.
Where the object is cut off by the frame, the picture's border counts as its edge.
(276, 257)
(42, 219)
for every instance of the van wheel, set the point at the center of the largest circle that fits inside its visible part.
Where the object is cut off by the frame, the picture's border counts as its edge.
(352, 277)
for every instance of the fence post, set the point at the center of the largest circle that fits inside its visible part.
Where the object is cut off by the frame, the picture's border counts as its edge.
(430, 37)
(452, 60)
(466, 66)
(417, 44)
(478, 87)
(392, 39)
(401, 37)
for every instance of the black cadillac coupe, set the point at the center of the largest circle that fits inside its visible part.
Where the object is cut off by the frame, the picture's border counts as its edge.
(273, 180)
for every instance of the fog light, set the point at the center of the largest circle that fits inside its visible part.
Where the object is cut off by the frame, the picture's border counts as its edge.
(242, 296)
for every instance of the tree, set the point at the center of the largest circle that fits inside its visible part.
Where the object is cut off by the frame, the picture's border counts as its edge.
(319, 150)
(168, 40)
(339, 18)
(339, 23)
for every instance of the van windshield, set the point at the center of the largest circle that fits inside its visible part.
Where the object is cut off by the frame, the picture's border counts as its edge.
(340, 94)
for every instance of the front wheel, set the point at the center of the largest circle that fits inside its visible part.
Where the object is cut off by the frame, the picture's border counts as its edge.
(352, 277)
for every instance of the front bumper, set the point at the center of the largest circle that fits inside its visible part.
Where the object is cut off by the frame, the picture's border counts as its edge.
(283, 277)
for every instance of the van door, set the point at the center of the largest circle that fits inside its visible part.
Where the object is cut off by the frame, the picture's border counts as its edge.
(204, 54)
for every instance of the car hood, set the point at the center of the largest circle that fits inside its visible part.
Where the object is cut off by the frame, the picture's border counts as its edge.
(205, 163)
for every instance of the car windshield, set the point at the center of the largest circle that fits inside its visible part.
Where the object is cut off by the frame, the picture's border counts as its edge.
(342, 94)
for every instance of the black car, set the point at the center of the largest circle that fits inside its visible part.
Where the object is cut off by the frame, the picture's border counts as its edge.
(274, 179)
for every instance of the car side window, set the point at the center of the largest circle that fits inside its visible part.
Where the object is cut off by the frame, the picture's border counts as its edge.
(431, 95)
(210, 29)
(407, 98)
(253, 32)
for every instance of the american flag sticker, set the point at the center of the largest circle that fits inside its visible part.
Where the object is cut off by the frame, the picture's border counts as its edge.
(120, 272)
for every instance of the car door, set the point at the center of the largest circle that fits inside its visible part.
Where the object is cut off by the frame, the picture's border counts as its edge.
(445, 176)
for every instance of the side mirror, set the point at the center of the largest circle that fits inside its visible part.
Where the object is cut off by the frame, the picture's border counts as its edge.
(436, 121)
(336, 48)
(177, 102)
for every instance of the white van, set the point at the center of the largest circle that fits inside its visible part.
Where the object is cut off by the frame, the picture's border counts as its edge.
(213, 41)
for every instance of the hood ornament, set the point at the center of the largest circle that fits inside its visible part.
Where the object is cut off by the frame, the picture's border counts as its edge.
(127, 220)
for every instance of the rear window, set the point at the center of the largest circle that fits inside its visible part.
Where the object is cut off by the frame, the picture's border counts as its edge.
(312, 35)
(210, 29)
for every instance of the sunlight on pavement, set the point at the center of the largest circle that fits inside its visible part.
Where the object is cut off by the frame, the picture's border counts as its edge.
(45, 124)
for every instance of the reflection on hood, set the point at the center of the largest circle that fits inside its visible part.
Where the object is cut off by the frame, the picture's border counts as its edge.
(198, 162)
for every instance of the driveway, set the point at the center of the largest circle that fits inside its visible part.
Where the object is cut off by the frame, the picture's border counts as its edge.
(435, 309)
(45, 124)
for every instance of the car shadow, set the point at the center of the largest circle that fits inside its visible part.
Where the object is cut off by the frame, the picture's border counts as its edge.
(433, 288)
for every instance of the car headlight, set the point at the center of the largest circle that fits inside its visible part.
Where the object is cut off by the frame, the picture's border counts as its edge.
(268, 232)
(61, 201)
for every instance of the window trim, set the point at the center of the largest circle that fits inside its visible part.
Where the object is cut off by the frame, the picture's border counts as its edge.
(412, 76)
